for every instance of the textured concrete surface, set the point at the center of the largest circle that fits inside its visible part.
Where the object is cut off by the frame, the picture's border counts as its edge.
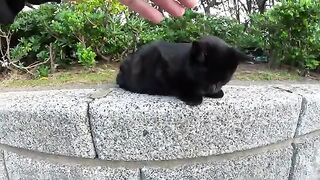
(271, 165)
(310, 119)
(130, 126)
(3, 172)
(47, 121)
(307, 160)
(20, 167)
(253, 133)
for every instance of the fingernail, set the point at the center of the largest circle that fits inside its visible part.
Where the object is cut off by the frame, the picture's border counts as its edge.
(156, 19)
(180, 12)
(191, 3)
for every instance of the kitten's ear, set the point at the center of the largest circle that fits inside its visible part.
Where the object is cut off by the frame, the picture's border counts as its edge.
(197, 52)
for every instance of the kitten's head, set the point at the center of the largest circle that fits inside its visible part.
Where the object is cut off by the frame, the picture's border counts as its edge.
(213, 61)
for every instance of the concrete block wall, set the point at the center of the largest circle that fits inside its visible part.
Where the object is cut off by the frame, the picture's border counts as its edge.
(254, 132)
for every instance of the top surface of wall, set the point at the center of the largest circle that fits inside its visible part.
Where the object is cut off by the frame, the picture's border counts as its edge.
(129, 127)
(47, 121)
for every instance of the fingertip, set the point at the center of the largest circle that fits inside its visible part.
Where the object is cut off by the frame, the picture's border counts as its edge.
(153, 16)
(172, 7)
(179, 13)
(144, 10)
(189, 3)
(156, 20)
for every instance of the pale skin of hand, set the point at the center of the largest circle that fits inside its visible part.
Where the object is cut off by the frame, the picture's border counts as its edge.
(175, 8)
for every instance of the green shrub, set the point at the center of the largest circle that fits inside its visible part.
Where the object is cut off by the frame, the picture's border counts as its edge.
(95, 24)
(43, 71)
(86, 56)
(96, 30)
(193, 25)
(291, 33)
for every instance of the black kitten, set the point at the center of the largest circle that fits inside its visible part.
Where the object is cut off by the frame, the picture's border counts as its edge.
(188, 71)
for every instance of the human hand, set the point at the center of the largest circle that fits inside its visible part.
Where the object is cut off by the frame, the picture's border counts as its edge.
(175, 8)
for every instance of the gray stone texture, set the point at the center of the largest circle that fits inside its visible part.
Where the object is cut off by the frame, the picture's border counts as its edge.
(47, 121)
(130, 126)
(307, 162)
(20, 167)
(310, 119)
(3, 172)
(271, 165)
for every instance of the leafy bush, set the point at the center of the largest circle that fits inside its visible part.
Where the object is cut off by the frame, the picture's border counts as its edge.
(101, 30)
(43, 71)
(85, 55)
(58, 35)
(68, 33)
(194, 25)
(291, 33)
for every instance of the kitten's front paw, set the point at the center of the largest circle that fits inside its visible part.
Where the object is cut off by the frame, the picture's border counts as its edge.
(219, 94)
(192, 101)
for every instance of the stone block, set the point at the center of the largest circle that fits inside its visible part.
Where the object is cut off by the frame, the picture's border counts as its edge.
(22, 167)
(129, 126)
(310, 117)
(307, 160)
(270, 165)
(3, 171)
(53, 122)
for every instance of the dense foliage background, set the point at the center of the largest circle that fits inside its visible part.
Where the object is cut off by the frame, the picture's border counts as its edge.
(58, 36)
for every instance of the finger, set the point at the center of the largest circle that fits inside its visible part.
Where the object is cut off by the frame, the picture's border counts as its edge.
(171, 7)
(144, 10)
(189, 3)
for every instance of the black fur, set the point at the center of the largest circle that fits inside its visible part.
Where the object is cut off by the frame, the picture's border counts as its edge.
(9, 9)
(188, 71)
